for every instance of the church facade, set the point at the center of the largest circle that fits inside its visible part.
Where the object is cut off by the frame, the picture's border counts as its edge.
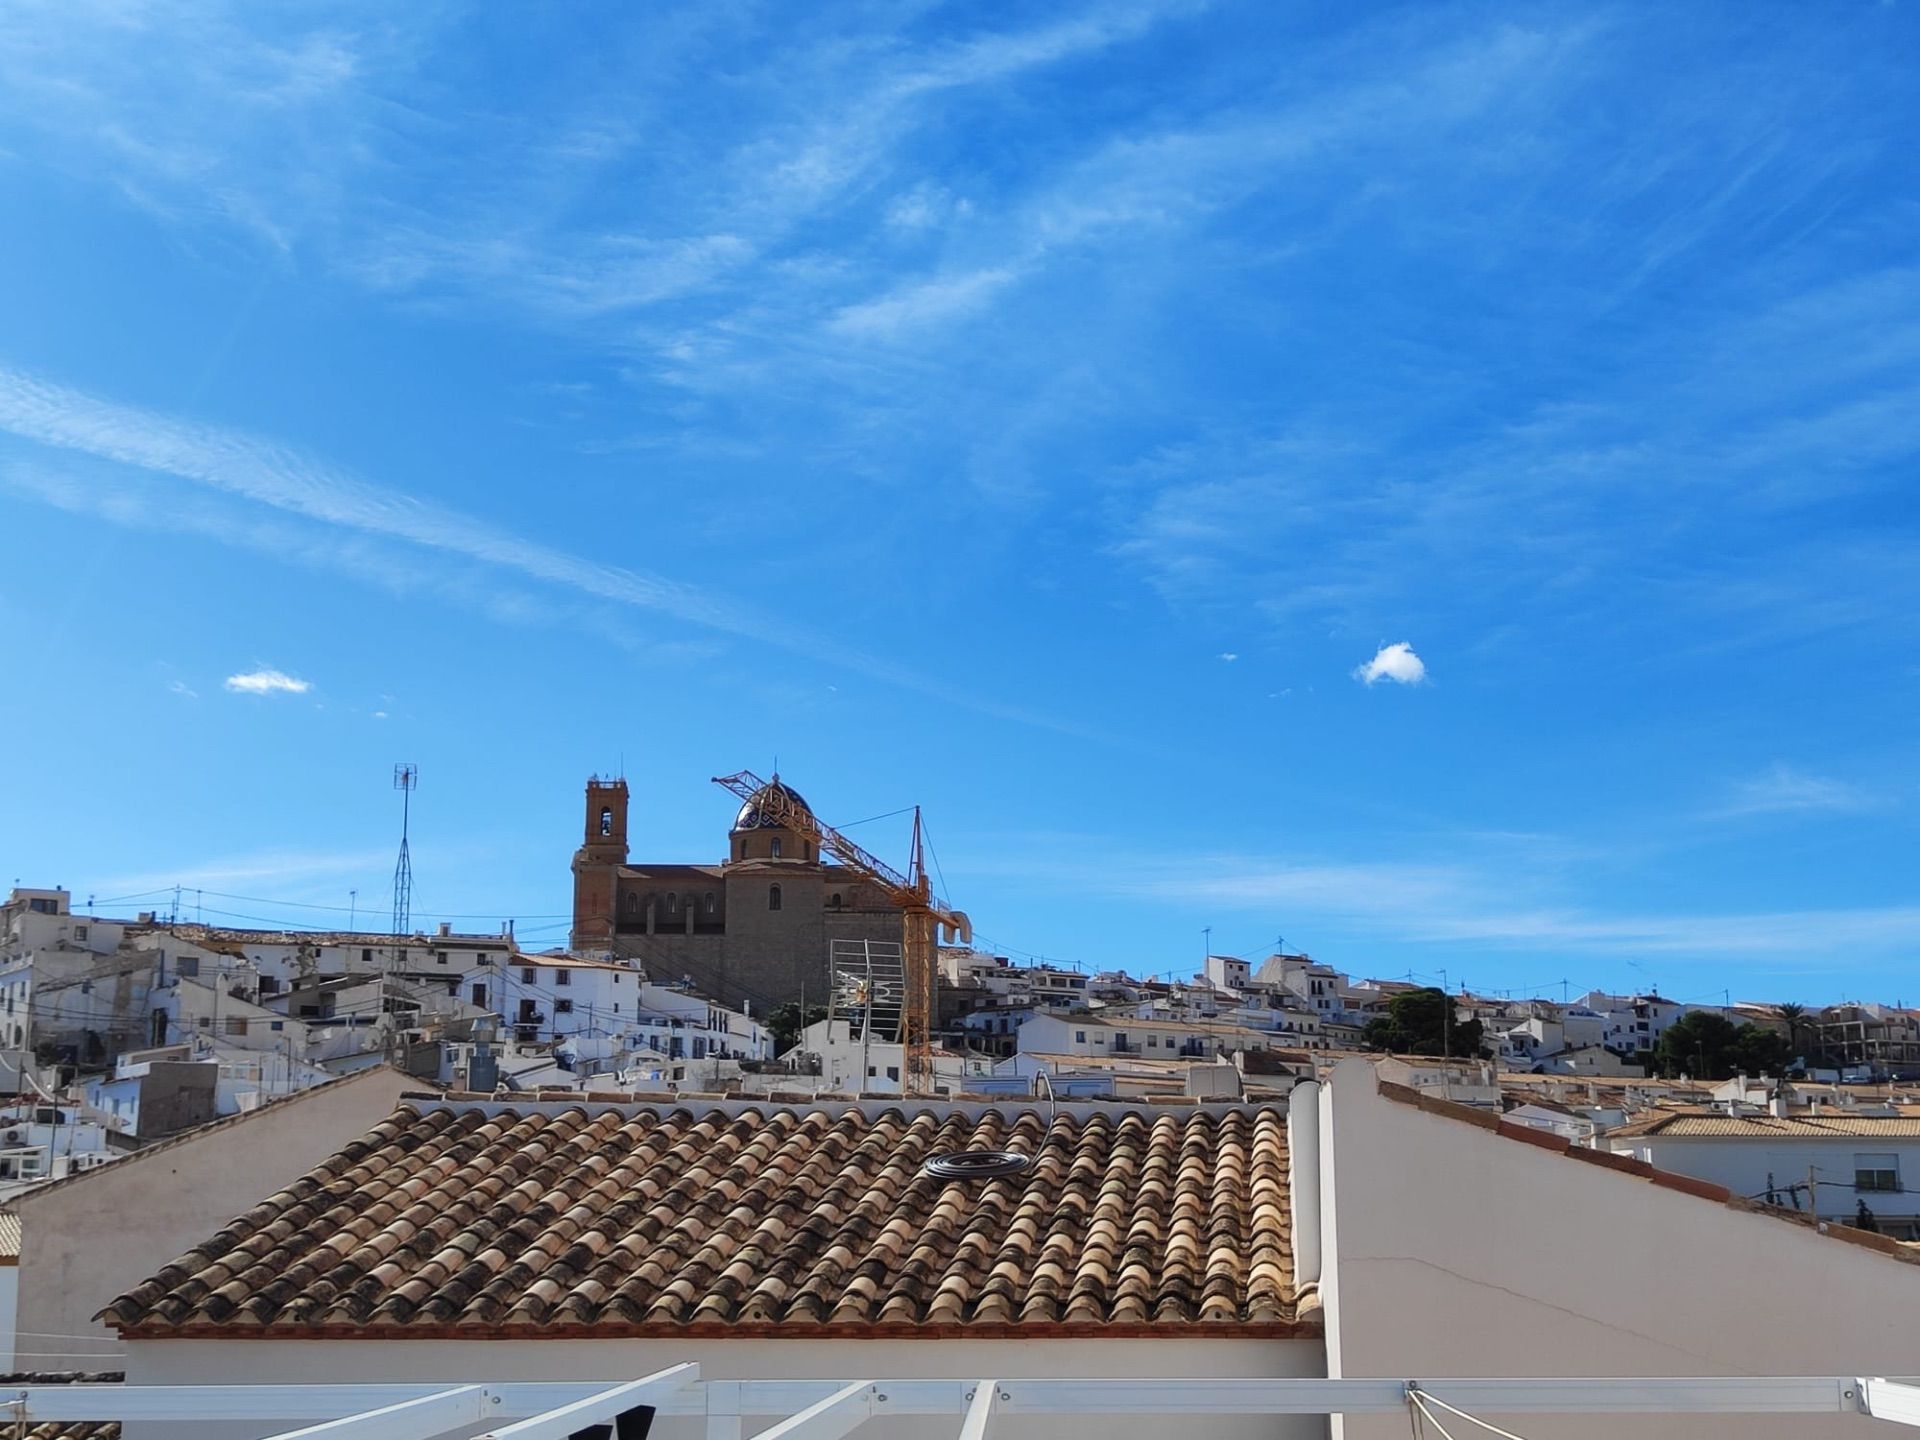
(753, 930)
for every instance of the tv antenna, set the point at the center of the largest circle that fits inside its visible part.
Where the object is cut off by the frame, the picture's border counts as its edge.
(406, 778)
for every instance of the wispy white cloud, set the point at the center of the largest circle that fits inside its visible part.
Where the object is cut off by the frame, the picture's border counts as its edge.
(267, 681)
(1396, 662)
(1782, 789)
(1481, 900)
(287, 870)
(287, 481)
(922, 302)
(1228, 656)
(182, 689)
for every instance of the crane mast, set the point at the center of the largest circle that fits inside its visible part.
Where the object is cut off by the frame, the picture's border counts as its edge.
(921, 918)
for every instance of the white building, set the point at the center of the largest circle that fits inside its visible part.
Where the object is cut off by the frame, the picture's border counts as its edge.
(852, 1063)
(1151, 1039)
(44, 1140)
(1845, 1161)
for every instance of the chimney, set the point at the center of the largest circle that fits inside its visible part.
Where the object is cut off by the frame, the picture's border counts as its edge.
(446, 927)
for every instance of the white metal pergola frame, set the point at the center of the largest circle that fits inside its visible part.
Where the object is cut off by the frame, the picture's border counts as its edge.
(829, 1409)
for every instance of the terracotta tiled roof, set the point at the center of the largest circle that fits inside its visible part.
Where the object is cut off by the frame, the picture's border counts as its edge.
(71, 1430)
(606, 1217)
(1797, 1127)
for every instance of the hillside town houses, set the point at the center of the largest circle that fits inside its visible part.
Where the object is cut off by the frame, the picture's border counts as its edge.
(210, 1068)
(137, 1028)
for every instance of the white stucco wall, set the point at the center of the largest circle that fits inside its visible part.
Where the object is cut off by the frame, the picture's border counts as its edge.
(1453, 1250)
(332, 1361)
(85, 1242)
(1744, 1166)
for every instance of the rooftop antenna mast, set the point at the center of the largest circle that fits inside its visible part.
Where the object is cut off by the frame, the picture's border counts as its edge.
(406, 778)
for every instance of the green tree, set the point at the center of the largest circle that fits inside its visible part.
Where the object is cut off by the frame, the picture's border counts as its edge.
(786, 1022)
(1759, 1051)
(1708, 1046)
(1422, 1022)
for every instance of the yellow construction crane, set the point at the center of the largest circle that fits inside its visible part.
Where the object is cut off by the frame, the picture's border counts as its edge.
(921, 919)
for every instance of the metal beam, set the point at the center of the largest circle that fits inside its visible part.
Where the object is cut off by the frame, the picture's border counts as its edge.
(1895, 1400)
(841, 1413)
(290, 1405)
(407, 1420)
(562, 1421)
(979, 1410)
(1724, 1395)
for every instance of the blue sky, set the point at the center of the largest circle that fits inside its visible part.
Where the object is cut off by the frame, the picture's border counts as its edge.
(1435, 483)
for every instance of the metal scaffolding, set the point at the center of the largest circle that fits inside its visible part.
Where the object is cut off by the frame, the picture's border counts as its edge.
(829, 1409)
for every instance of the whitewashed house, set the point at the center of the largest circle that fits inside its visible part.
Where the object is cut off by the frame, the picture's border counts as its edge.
(1830, 1165)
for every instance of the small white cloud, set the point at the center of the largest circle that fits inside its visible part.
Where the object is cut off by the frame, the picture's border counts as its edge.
(180, 687)
(379, 714)
(267, 682)
(1228, 656)
(1395, 662)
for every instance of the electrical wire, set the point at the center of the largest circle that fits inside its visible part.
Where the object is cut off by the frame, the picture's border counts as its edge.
(1426, 1416)
(926, 835)
(1422, 1399)
(903, 810)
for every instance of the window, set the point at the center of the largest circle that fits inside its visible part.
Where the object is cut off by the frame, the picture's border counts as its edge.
(773, 847)
(189, 966)
(616, 1006)
(833, 901)
(893, 1072)
(277, 1025)
(709, 904)
(673, 904)
(773, 897)
(79, 932)
(480, 994)
(563, 1007)
(366, 956)
(1876, 1172)
(236, 1025)
(441, 956)
(563, 977)
(1080, 1037)
(606, 820)
(526, 976)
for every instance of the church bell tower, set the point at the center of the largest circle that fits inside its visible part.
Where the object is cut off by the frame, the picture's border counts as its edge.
(596, 864)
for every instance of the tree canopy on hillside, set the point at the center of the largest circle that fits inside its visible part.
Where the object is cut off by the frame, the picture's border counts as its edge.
(1422, 1022)
(1708, 1046)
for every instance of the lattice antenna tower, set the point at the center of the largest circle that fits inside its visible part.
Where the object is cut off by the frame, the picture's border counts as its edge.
(406, 778)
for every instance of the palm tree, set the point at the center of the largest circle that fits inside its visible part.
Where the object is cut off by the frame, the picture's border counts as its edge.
(1793, 1014)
